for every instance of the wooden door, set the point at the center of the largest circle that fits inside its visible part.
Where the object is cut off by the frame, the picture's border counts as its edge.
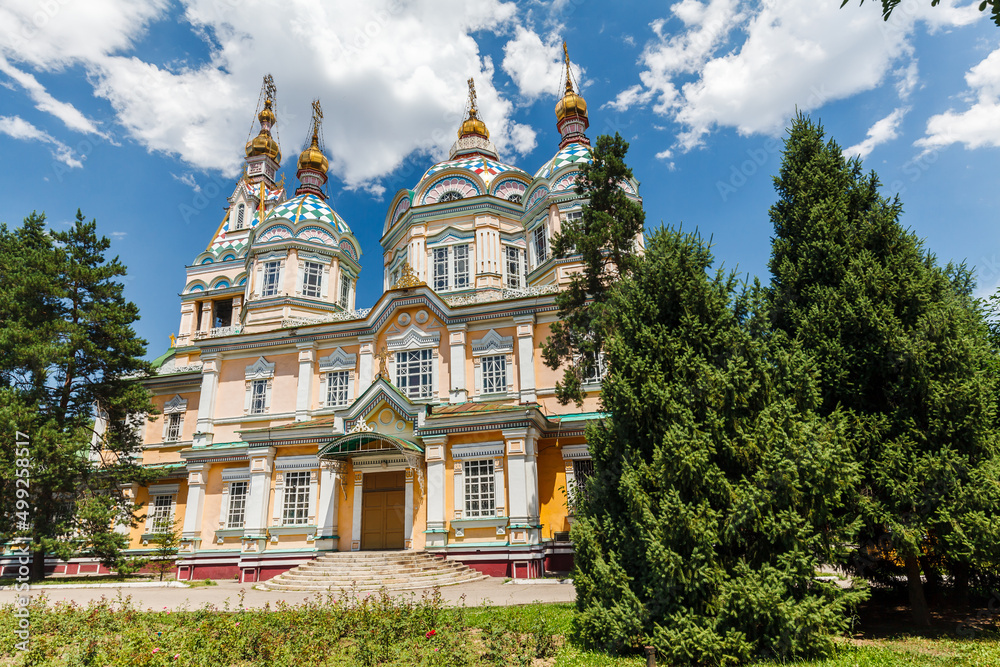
(383, 503)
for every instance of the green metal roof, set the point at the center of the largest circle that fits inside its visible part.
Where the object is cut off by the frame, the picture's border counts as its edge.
(366, 442)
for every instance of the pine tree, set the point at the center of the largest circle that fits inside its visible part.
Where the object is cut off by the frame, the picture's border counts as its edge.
(69, 359)
(903, 348)
(605, 237)
(717, 490)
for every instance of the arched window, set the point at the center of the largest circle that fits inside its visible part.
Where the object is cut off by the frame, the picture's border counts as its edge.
(451, 195)
(239, 216)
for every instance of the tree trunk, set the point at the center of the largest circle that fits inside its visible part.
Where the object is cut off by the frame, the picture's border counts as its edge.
(37, 562)
(961, 573)
(933, 583)
(918, 603)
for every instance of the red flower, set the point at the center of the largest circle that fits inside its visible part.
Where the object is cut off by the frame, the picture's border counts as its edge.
(430, 633)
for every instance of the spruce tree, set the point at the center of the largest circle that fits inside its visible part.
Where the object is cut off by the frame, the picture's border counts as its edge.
(717, 490)
(606, 238)
(902, 347)
(70, 356)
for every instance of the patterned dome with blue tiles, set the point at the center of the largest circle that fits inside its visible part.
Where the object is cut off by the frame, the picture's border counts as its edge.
(574, 153)
(307, 208)
(483, 167)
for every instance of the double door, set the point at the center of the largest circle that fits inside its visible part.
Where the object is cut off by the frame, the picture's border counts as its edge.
(383, 503)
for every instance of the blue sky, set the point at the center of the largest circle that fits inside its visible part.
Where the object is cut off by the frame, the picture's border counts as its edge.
(137, 112)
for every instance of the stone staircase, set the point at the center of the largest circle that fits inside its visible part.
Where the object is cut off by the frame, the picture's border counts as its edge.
(372, 570)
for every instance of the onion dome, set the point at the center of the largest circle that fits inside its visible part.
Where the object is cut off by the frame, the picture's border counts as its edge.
(312, 163)
(264, 143)
(473, 125)
(571, 111)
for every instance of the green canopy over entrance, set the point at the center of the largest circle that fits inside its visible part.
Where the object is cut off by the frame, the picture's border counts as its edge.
(367, 442)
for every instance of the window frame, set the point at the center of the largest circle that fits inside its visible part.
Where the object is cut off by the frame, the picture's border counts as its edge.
(269, 288)
(342, 388)
(540, 244)
(425, 369)
(295, 505)
(477, 473)
(240, 216)
(161, 521)
(174, 422)
(311, 269)
(494, 374)
(451, 267)
(240, 504)
(516, 262)
(258, 399)
(345, 291)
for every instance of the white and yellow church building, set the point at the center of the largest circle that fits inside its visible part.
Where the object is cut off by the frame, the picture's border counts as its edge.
(295, 421)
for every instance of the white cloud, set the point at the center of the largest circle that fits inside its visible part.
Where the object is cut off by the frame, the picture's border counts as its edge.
(665, 154)
(882, 131)
(72, 117)
(188, 180)
(391, 76)
(18, 128)
(976, 126)
(733, 65)
(536, 67)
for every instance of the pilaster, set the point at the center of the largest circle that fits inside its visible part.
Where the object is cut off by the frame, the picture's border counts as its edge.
(365, 372)
(526, 357)
(522, 485)
(193, 514)
(303, 396)
(359, 478)
(434, 457)
(206, 399)
(255, 524)
(459, 392)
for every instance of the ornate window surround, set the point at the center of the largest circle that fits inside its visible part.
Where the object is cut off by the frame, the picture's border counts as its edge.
(261, 369)
(415, 338)
(336, 361)
(492, 344)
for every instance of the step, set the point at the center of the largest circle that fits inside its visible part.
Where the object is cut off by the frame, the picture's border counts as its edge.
(271, 584)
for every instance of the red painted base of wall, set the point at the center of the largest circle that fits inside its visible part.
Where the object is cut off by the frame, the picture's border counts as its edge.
(491, 569)
(558, 562)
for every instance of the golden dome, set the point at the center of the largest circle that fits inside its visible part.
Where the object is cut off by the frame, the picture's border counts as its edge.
(473, 125)
(264, 143)
(312, 157)
(571, 104)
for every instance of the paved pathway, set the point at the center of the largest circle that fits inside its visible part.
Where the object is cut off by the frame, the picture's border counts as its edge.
(492, 590)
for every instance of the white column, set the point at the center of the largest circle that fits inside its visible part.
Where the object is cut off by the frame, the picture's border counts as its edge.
(206, 316)
(255, 525)
(365, 371)
(417, 252)
(191, 531)
(329, 496)
(356, 518)
(522, 483)
(237, 308)
(434, 456)
(206, 399)
(456, 367)
(303, 396)
(458, 491)
(408, 510)
(526, 357)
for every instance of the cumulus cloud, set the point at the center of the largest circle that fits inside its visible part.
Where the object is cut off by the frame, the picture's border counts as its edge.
(976, 126)
(882, 131)
(72, 117)
(749, 67)
(536, 66)
(18, 128)
(391, 76)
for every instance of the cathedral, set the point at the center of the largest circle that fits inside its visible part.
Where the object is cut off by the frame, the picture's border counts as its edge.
(295, 421)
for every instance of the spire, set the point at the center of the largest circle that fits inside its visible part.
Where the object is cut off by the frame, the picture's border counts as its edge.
(571, 110)
(264, 144)
(473, 126)
(313, 165)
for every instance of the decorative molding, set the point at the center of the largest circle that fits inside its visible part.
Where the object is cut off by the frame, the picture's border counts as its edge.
(479, 450)
(493, 343)
(175, 405)
(488, 296)
(572, 452)
(260, 370)
(235, 474)
(413, 339)
(305, 462)
(338, 360)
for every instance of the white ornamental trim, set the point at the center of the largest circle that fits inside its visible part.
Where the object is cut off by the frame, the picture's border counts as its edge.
(493, 343)
(479, 450)
(260, 370)
(306, 462)
(235, 474)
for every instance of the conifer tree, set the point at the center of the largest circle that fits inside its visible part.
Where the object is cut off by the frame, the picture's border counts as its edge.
(717, 490)
(69, 357)
(605, 237)
(903, 348)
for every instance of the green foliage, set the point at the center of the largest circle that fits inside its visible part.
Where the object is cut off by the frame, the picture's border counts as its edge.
(69, 355)
(717, 488)
(605, 237)
(167, 542)
(889, 5)
(903, 350)
(96, 517)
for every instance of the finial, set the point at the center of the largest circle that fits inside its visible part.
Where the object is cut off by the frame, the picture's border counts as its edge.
(408, 278)
(473, 111)
(173, 340)
(569, 81)
(317, 119)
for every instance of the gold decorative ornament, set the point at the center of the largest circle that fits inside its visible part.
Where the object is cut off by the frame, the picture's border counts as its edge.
(571, 104)
(383, 358)
(408, 278)
(312, 157)
(473, 125)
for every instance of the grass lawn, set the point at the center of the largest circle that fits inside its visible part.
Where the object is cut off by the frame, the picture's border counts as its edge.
(387, 631)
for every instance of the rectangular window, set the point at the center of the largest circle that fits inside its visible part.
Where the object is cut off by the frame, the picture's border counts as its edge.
(258, 397)
(237, 504)
(440, 269)
(223, 311)
(312, 280)
(336, 388)
(583, 469)
(173, 427)
(161, 514)
(461, 266)
(414, 372)
(494, 374)
(541, 245)
(513, 259)
(345, 291)
(480, 496)
(272, 271)
(295, 507)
